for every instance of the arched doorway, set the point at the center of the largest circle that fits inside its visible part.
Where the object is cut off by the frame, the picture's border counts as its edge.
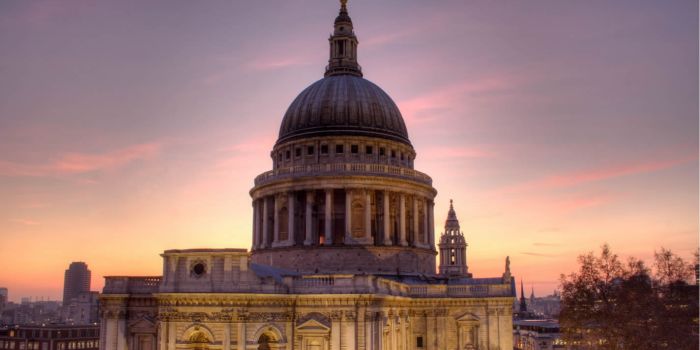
(264, 342)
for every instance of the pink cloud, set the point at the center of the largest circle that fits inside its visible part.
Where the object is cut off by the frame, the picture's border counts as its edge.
(456, 152)
(593, 175)
(273, 64)
(571, 204)
(385, 38)
(77, 163)
(450, 97)
(25, 222)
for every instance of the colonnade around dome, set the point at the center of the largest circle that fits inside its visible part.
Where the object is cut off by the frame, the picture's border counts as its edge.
(344, 216)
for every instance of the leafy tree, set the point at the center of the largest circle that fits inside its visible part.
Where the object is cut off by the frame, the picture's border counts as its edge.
(609, 304)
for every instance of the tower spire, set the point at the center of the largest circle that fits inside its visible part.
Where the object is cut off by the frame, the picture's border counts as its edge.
(453, 247)
(343, 42)
(523, 303)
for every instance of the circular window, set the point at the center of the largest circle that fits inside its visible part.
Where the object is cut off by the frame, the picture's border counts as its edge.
(199, 269)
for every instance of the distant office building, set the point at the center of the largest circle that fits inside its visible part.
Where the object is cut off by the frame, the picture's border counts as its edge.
(31, 313)
(81, 310)
(76, 281)
(50, 337)
(4, 297)
(547, 306)
(538, 335)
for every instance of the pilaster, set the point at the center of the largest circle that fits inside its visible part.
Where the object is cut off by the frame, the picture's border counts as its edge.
(329, 207)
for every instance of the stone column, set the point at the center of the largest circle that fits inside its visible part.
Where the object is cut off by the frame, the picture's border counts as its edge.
(241, 335)
(329, 207)
(387, 218)
(276, 223)
(368, 216)
(392, 333)
(227, 337)
(110, 340)
(431, 224)
(379, 332)
(431, 331)
(121, 333)
(256, 225)
(163, 336)
(291, 198)
(425, 223)
(172, 333)
(308, 239)
(335, 333)
(265, 223)
(348, 337)
(255, 233)
(416, 222)
(369, 324)
(348, 216)
(402, 219)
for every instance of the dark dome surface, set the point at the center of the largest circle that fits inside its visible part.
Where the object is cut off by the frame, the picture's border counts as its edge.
(343, 105)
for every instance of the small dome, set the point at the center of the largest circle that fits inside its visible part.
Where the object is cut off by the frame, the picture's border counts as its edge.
(345, 105)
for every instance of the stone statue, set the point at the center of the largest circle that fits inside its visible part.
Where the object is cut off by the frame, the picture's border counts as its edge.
(506, 275)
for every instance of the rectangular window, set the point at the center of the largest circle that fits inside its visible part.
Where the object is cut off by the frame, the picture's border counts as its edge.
(338, 148)
(288, 154)
(382, 151)
(297, 152)
(324, 149)
(310, 150)
(393, 154)
(419, 342)
(354, 149)
(368, 149)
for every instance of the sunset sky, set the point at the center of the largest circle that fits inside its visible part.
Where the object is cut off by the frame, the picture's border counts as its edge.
(131, 127)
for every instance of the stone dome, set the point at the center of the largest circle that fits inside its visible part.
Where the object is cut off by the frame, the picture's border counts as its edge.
(346, 105)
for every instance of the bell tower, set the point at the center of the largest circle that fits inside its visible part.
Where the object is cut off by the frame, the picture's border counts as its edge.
(453, 248)
(343, 46)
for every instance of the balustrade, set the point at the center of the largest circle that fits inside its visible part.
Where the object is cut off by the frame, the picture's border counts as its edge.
(343, 168)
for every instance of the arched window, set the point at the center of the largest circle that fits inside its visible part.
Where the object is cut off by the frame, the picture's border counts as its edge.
(198, 341)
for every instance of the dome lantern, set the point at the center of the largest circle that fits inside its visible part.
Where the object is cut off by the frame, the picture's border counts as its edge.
(343, 46)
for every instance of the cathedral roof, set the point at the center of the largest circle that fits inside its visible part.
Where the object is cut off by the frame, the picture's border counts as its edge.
(343, 105)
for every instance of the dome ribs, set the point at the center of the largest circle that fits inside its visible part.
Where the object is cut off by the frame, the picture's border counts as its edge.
(343, 105)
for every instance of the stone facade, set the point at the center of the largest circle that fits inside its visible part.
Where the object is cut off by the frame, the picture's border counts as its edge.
(343, 247)
(218, 299)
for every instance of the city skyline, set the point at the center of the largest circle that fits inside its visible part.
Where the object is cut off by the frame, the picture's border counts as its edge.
(130, 127)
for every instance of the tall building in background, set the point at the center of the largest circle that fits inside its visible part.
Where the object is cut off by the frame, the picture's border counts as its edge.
(76, 281)
(4, 297)
(343, 249)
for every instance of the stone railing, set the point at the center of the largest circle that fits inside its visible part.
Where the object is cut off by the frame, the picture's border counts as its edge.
(466, 290)
(344, 284)
(131, 284)
(350, 284)
(343, 169)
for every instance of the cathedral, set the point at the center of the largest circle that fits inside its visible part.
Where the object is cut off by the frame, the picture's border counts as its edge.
(343, 251)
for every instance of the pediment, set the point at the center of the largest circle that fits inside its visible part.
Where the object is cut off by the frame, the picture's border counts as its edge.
(468, 318)
(313, 325)
(142, 323)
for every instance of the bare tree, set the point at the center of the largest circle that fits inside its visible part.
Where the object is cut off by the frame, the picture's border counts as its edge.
(608, 304)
